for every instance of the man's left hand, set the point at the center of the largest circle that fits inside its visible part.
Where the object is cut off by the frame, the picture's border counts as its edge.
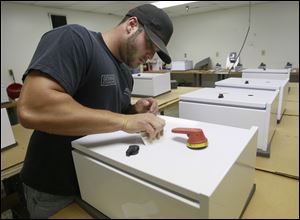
(147, 105)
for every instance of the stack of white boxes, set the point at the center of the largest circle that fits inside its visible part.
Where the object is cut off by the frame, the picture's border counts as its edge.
(234, 107)
(260, 84)
(258, 98)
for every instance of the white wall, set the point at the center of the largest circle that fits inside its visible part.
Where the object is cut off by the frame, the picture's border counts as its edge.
(274, 28)
(22, 27)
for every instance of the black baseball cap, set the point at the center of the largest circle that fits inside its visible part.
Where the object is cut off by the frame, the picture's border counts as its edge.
(157, 25)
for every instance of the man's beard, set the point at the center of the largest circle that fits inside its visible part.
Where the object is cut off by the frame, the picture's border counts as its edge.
(130, 51)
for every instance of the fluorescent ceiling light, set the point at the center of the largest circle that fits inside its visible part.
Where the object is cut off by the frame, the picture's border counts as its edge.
(166, 4)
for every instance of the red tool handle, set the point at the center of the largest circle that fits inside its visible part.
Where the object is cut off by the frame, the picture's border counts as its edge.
(196, 135)
(186, 130)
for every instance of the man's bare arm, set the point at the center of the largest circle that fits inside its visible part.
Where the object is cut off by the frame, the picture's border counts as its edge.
(44, 105)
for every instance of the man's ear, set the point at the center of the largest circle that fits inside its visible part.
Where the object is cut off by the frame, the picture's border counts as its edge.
(132, 23)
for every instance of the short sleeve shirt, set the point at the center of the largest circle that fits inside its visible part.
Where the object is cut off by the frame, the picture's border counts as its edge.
(80, 61)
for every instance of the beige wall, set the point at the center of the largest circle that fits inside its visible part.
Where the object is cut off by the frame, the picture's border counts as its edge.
(22, 27)
(274, 29)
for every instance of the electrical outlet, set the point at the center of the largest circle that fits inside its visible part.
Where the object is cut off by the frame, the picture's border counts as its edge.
(185, 55)
(217, 54)
(263, 52)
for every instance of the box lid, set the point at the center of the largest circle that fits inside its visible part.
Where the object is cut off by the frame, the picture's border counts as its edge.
(146, 76)
(167, 162)
(246, 98)
(253, 83)
(274, 71)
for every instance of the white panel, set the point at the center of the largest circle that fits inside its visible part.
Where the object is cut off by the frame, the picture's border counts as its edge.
(7, 136)
(119, 195)
(270, 71)
(281, 74)
(253, 83)
(4, 97)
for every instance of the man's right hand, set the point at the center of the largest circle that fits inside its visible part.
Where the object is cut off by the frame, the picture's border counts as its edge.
(146, 122)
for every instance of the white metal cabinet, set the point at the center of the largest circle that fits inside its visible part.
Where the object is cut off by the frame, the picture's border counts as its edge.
(182, 65)
(7, 135)
(260, 84)
(239, 108)
(267, 73)
(151, 84)
(166, 179)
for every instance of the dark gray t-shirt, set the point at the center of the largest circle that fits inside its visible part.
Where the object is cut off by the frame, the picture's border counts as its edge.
(79, 60)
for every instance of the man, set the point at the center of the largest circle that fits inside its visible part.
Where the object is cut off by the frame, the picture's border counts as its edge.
(78, 84)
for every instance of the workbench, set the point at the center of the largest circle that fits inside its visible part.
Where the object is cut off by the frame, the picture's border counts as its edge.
(168, 99)
(11, 104)
(200, 75)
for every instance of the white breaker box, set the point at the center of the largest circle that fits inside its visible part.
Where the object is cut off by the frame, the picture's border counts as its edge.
(267, 73)
(166, 179)
(234, 107)
(260, 84)
(182, 65)
(151, 84)
(7, 135)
